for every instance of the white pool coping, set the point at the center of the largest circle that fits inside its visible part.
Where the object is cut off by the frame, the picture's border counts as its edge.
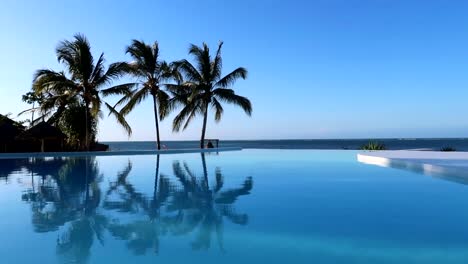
(458, 159)
(452, 166)
(114, 153)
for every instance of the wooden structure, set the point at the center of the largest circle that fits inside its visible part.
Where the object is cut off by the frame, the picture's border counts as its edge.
(214, 143)
(44, 132)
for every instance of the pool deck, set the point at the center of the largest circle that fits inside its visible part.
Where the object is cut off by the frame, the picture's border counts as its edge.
(451, 166)
(114, 153)
(449, 159)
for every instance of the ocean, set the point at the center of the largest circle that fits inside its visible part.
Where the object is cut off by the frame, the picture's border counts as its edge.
(460, 144)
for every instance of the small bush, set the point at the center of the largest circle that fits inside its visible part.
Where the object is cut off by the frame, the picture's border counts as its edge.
(448, 149)
(373, 145)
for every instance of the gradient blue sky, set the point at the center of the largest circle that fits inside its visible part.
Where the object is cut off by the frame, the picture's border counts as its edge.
(317, 69)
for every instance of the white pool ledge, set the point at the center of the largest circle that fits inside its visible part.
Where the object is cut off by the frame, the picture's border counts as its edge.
(448, 165)
(114, 153)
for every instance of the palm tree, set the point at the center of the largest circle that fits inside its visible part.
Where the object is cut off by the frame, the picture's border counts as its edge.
(205, 87)
(84, 81)
(152, 72)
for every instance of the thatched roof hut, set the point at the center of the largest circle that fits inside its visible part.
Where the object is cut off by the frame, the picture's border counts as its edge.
(43, 131)
(9, 130)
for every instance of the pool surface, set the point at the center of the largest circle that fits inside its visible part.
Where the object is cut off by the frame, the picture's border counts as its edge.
(250, 206)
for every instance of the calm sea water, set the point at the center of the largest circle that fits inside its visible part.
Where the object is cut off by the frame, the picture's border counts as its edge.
(436, 144)
(250, 206)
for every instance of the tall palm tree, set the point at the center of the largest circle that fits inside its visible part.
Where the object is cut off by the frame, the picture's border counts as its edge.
(152, 72)
(206, 88)
(85, 79)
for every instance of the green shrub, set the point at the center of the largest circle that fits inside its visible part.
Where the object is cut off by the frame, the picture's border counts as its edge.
(448, 149)
(373, 145)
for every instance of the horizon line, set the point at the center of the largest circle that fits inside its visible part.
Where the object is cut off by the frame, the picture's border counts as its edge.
(300, 139)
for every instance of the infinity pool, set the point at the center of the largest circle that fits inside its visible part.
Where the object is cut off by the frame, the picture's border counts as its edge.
(250, 206)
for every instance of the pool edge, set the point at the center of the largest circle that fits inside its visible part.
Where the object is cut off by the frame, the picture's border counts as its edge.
(114, 153)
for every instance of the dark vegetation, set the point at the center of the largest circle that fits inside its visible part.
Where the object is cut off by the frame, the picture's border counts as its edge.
(373, 145)
(448, 149)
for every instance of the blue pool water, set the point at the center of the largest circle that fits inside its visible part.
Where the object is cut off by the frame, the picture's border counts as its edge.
(251, 206)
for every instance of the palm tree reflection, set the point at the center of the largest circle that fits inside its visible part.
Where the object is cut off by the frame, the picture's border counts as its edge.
(9, 167)
(202, 207)
(122, 197)
(89, 223)
(67, 198)
(185, 206)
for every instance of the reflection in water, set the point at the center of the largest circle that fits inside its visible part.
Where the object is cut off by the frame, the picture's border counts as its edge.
(67, 195)
(200, 206)
(141, 234)
(9, 167)
(179, 207)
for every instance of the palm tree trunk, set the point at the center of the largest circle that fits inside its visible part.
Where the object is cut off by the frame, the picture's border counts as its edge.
(155, 105)
(42, 145)
(87, 126)
(205, 118)
(32, 115)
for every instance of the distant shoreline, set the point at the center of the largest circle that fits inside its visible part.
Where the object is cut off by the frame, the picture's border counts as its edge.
(298, 139)
(391, 144)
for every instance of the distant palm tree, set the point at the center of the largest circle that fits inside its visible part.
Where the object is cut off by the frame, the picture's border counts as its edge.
(205, 87)
(84, 81)
(152, 72)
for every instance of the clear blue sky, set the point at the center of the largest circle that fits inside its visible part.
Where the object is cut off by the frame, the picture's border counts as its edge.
(317, 69)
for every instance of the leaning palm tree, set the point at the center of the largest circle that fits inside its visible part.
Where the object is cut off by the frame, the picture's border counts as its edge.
(205, 88)
(152, 72)
(85, 80)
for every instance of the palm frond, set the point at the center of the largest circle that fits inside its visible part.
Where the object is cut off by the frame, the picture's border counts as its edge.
(218, 109)
(190, 117)
(145, 55)
(77, 56)
(122, 89)
(120, 119)
(190, 72)
(134, 99)
(217, 64)
(203, 60)
(163, 102)
(45, 80)
(232, 77)
(57, 114)
(187, 113)
(29, 110)
(228, 96)
(98, 68)
(115, 71)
